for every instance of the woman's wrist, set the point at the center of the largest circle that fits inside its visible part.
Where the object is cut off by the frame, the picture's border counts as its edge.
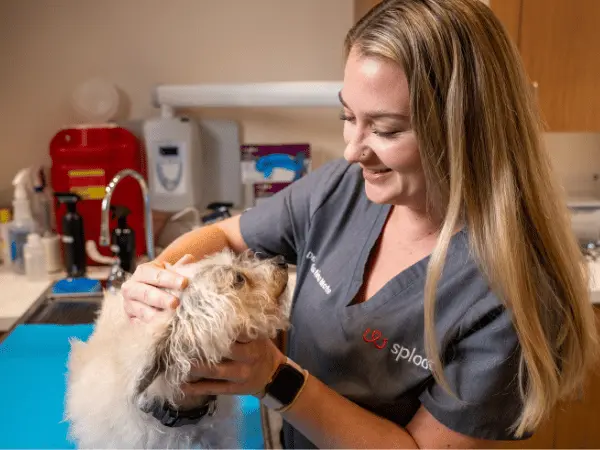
(278, 359)
(285, 386)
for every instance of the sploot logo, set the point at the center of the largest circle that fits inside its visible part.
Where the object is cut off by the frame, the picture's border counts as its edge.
(376, 338)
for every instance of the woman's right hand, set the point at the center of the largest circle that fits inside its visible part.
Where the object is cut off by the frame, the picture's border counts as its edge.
(145, 292)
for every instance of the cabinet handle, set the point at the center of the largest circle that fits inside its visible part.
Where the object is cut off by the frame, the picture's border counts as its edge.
(535, 86)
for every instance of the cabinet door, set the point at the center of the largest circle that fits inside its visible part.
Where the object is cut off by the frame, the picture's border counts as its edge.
(543, 438)
(509, 13)
(578, 422)
(559, 42)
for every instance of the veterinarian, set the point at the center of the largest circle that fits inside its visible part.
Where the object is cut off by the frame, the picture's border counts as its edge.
(444, 202)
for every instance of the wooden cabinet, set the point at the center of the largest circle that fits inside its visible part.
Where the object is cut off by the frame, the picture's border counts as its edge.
(575, 424)
(361, 7)
(558, 41)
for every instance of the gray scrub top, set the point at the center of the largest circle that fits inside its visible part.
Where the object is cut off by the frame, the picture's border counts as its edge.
(373, 352)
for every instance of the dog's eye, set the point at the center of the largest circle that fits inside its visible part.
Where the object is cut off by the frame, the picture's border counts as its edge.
(239, 280)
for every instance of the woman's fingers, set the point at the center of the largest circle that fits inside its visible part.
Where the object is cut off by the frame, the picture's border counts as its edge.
(185, 259)
(133, 290)
(234, 371)
(139, 312)
(156, 275)
(193, 391)
(245, 351)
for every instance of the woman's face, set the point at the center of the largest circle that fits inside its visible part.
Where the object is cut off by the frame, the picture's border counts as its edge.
(378, 133)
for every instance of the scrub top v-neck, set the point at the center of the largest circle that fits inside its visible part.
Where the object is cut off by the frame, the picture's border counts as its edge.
(373, 352)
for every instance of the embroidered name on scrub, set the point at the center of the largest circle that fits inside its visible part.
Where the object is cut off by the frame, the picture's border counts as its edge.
(400, 351)
(317, 273)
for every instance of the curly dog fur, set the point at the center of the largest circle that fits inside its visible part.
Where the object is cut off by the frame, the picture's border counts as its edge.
(125, 368)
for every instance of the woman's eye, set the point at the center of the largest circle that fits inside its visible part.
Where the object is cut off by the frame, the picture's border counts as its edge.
(346, 117)
(239, 280)
(385, 134)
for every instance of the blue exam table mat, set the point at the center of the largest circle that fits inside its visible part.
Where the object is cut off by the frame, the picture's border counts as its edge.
(33, 361)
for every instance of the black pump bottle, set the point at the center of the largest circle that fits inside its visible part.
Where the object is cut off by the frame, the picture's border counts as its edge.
(73, 237)
(123, 238)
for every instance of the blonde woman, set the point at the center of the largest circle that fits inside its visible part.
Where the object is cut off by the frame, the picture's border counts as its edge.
(441, 298)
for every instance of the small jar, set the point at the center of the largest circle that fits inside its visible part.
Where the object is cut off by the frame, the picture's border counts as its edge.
(35, 258)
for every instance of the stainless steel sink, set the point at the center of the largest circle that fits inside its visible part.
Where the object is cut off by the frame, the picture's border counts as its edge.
(65, 309)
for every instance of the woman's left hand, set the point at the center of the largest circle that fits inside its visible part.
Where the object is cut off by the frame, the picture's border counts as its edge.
(247, 372)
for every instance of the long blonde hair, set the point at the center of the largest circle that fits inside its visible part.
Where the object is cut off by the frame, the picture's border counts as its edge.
(481, 144)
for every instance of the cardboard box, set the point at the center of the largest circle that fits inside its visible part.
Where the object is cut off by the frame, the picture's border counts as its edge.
(267, 169)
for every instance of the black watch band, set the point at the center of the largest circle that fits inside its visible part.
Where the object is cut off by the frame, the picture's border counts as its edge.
(173, 418)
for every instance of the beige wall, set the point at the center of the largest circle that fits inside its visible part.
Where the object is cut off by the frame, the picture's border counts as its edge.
(576, 159)
(49, 46)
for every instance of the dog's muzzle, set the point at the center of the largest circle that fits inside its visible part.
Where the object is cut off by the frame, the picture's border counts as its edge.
(280, 261)
(277, 260)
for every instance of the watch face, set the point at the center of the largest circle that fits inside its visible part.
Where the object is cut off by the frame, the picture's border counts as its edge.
(286, 384)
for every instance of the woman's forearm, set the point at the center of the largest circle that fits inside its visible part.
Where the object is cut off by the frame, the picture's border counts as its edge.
(205, 241)
(198, 243)
(329, 420)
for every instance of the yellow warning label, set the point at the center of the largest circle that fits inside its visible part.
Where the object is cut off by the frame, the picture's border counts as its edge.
(90, 192)
(89, 184)
(86, 173)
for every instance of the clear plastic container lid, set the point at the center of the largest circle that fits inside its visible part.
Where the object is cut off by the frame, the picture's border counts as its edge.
(96, 100)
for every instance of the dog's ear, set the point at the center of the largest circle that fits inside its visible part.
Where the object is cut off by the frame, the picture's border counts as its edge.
(157, 365)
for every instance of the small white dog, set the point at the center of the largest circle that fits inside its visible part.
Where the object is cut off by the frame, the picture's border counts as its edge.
(125, 368)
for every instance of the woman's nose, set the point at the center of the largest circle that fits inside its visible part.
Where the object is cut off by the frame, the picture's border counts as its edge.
(355, 149)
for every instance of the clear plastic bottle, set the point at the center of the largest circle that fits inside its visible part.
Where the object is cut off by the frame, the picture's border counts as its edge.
(35, 258)
(22, 223)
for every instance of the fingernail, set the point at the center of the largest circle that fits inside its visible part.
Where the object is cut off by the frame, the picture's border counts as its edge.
(183, 282)
(174, 303)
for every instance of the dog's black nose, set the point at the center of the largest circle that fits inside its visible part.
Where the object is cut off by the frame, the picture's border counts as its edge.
(280, 261)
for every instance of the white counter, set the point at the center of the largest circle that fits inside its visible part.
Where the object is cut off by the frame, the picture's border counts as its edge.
(595, 281)
(18, 295)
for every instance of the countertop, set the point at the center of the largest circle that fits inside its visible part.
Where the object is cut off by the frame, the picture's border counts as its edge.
(18, 295)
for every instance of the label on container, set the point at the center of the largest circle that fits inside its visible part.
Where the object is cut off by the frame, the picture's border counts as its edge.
(262, 191)
(89, 184)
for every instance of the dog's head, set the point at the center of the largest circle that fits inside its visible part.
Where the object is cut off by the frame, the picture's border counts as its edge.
(228, 297)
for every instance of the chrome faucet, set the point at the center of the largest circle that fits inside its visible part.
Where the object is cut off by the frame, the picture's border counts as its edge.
(104, 223)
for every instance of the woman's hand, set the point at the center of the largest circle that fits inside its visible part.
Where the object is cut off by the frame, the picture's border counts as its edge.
(247, 372)
(144, 293)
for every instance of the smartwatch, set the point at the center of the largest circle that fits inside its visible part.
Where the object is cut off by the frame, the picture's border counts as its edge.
(285, 385)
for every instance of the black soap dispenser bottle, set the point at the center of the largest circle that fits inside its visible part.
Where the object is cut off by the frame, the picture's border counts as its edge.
(73, 236)
(123, 238)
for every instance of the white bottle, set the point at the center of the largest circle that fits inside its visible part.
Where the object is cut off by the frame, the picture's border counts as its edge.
(35, 258)
(52, 252)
